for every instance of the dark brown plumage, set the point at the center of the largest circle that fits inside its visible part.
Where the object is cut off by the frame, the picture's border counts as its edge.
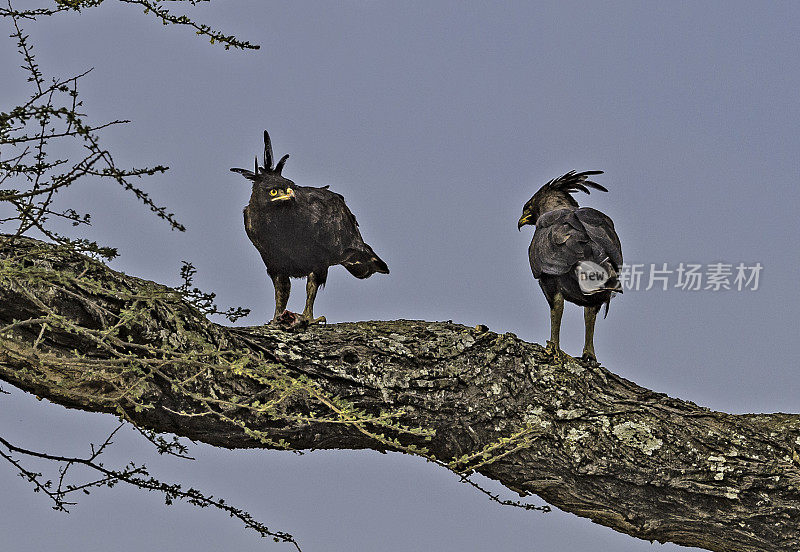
(575, 253)
(300, 231)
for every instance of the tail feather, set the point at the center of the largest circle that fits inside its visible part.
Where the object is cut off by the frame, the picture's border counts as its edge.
(365, 263)
(612, 284)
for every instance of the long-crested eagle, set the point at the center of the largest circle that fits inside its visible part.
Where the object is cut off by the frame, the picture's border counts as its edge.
(300, 231)
(575, 253)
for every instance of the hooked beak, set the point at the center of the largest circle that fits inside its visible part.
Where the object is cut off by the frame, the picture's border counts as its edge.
(283, 197)
(523, 220)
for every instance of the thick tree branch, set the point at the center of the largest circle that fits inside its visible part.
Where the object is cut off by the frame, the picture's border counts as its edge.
(582, 438)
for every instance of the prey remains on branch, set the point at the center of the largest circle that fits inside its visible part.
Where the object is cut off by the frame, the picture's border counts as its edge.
(300, 231)
(575, 253)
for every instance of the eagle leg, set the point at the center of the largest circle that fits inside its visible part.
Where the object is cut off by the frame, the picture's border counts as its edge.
(589, 317)
(311, 294)
(556, 310)
(282, 289)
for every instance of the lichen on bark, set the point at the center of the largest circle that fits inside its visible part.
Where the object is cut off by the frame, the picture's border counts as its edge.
(579, 436)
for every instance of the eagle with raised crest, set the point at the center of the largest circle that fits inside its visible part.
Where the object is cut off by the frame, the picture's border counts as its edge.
(301, 231)
(575, 253)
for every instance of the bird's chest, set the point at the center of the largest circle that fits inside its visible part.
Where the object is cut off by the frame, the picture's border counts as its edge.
(283, 238)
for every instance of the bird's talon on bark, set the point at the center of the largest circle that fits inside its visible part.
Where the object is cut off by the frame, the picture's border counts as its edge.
(287, 319)
(553, 352)
(589, 360)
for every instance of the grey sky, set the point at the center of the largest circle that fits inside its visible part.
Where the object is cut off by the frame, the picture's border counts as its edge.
(437, 121)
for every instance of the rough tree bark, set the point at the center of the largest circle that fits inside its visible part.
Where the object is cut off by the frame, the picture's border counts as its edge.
(580, 437)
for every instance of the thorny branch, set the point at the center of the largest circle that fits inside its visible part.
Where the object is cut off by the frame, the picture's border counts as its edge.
(151, 7)
(30, 179)
(134, 475)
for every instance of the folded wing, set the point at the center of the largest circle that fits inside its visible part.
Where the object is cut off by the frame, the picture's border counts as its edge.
(565, 237)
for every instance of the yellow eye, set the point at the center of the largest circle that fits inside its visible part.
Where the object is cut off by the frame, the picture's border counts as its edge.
(273, 192)
(288, 190)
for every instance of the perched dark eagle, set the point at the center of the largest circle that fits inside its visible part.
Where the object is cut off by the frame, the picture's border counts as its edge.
(575, 253)
(300, 231)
